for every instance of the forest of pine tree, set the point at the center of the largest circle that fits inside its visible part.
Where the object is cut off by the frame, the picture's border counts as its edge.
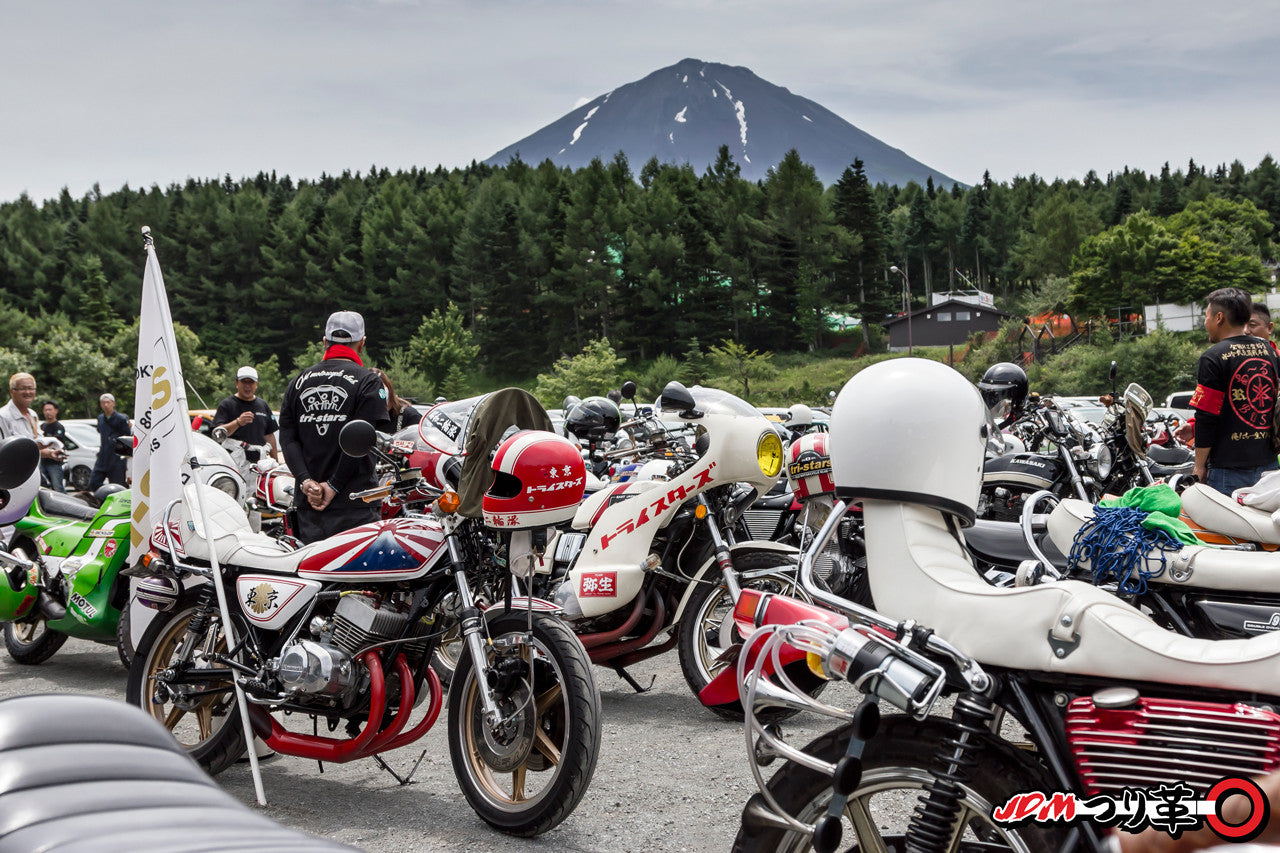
(541, 260)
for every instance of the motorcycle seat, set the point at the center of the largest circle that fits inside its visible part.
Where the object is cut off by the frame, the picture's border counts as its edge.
(1193, 566)
(64, 506)
(1221, 514)
(85, 773)
(1172, 457)
(919, 570)
(234, 540)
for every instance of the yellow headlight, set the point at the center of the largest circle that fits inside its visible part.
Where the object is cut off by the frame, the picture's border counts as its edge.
(769, 454)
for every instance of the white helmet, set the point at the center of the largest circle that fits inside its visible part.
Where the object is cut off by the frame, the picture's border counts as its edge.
(912, 431)
(799, 416)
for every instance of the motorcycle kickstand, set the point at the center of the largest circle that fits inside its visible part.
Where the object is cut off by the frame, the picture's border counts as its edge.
(635, 685)
(407, 778)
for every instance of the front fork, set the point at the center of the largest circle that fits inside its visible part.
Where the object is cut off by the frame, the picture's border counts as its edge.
(723, 560)
(471, 623)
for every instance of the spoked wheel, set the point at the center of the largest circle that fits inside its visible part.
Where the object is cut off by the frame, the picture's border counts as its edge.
(895, 768)
(526, 774)
(32, 641)
(201, 715)
(708, 633)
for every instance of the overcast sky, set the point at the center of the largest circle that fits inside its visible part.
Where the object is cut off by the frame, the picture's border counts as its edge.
(149, 93)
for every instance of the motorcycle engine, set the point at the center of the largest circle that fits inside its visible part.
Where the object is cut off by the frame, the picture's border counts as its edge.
(326, 666)
(310, 668)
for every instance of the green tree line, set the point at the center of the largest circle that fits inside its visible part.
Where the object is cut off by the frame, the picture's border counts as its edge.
(528, 264)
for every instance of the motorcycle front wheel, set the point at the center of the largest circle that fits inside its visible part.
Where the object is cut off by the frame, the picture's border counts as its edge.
(32, 641)
(896, 765)
(708, 633)
(526, 775)
(201, 716)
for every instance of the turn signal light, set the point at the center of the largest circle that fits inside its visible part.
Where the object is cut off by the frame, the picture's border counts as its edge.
(448, 503)
(700, 511)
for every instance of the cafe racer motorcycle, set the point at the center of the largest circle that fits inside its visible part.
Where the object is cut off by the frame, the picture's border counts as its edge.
(340, 632)
(1096, 699)
(647, 558)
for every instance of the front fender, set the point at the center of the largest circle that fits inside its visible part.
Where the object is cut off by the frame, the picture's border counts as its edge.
(754, 546)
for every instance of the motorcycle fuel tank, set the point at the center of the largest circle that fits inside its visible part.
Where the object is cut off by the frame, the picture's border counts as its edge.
(391, 550)
(1022, 469)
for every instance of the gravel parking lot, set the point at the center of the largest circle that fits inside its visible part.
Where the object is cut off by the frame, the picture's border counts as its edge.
(671, 776)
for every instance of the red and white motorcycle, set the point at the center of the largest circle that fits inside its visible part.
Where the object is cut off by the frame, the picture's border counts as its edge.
(342, 631)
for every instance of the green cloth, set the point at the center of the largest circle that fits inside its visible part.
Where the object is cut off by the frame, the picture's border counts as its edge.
(1163, 508)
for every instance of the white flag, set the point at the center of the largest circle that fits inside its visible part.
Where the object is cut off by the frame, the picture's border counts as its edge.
(160, 421)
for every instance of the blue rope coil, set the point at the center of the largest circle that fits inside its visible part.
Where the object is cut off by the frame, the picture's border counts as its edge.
(1116, 545)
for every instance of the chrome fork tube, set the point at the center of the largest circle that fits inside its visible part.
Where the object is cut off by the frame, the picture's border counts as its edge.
(722, 551)
(471, 626)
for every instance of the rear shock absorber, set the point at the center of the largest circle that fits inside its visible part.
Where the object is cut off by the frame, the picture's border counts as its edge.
(933, 822)
(205, 597)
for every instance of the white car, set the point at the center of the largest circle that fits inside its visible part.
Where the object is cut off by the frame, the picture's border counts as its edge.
(82, 452)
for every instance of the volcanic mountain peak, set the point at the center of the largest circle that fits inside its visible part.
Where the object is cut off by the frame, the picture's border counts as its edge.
(683, 114)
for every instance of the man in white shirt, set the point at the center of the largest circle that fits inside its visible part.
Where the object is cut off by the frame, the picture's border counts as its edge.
(18, 418)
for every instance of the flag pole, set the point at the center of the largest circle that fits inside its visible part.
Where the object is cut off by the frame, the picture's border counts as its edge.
(181, 404)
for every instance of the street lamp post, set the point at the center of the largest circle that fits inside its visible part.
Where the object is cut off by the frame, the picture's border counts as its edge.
(906, 304)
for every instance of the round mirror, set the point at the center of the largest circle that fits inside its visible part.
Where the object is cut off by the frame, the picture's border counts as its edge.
(357, 438)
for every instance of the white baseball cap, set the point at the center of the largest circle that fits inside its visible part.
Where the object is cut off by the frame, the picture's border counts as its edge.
(247, 373)
(344, 327)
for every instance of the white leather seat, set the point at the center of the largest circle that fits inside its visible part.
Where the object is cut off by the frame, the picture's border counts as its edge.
(229, 528)
(918, 570)
(1220, 513)
(1194, 565)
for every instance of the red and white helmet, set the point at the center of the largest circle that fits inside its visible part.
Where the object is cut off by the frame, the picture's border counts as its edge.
(539, 478)
(809, 466)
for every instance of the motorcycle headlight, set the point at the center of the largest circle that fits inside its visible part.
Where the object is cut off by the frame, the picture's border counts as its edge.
(769, 454)
(227, 484)
(1101, 455)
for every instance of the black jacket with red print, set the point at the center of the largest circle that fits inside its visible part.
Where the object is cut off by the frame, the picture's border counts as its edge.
(1236, 383)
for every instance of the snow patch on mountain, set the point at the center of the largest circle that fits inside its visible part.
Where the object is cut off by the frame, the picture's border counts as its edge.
(741, 112)
(586, 119)
(806, 118)
(686, 79)
(680, 115)
(671, 137)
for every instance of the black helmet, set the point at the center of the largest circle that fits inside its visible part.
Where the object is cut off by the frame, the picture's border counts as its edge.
(594, 419)
(1004, 390)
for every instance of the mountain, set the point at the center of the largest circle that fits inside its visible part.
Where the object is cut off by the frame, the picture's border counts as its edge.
(685, 112)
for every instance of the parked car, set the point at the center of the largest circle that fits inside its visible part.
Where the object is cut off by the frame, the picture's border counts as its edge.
(82, 451)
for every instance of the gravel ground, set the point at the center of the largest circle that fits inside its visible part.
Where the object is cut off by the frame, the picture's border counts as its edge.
(671, 776)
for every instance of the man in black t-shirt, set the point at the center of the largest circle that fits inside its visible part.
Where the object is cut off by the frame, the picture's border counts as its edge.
(1236, 385)
(317, 404)
(246, 416)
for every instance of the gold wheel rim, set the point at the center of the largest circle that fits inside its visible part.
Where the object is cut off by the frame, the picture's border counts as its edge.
(178, 720)
(511, 788)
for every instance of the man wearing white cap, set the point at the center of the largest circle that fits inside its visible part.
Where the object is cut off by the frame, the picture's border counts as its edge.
(246, 416)
(109, 466)
(317, 404)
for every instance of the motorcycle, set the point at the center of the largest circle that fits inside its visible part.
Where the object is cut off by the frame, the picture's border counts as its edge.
(649, 564)
(343, 630)
(1108, 705)
(1074, 459)
(73, 553)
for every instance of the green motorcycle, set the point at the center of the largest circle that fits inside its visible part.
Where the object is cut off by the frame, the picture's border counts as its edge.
(72, 554)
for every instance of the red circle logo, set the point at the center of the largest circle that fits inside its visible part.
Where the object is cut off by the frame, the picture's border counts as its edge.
(1259, 809)
(1252, 392)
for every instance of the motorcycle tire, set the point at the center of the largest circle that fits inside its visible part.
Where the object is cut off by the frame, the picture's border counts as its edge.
(32, 642)
(896, 764)
(124, 643)
(707, 631)
(208, 728)
(555, 736)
